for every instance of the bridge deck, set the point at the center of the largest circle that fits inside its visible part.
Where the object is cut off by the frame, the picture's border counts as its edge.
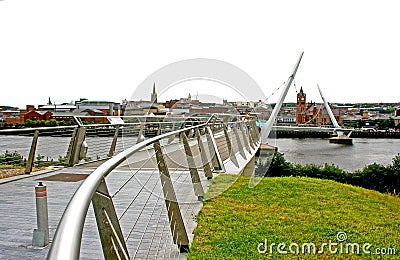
(145, 224)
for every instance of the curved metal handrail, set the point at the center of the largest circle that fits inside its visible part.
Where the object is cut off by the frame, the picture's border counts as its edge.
(70, 227)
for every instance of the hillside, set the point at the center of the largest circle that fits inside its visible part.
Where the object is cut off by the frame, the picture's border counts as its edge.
(298, 212)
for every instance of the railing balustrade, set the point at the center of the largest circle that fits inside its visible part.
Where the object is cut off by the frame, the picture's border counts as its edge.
(196, 148)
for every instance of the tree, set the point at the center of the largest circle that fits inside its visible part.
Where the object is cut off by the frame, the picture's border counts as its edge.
(53, 122)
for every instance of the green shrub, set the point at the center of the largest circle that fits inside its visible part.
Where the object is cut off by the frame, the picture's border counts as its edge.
(62, 159)
(11, 158)
(279, 166)
(371, 177)
(393, 179)
(375, 176)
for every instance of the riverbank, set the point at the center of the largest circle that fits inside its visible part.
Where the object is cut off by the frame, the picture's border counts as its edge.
(7, 171)
(354, 134)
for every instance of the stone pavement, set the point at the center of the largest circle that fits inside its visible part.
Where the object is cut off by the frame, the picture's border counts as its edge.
(145, 224)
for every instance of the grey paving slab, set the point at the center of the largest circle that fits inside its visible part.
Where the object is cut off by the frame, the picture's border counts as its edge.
(145, 223)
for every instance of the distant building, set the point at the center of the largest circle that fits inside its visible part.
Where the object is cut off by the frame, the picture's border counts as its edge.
(287, 114)
(37, 115)
(285, 119)
(108, 108)
(216, 109)
(249, 104)
(13, 115)
(142, 107)
(312, 113)
(263, 111)
(10, 117)
(171, 103)
(57, 108)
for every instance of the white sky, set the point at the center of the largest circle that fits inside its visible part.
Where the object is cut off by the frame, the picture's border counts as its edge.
(102, 50)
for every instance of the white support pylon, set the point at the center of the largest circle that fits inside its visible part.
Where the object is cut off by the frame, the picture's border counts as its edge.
(266, 128)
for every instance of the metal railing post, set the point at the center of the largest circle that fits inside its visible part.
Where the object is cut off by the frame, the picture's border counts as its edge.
(245, 137)
(112, 240)
(214, 161)
(114, 142)
(204, 160)
(232, 155)
(158, 130)
(256, 133)
(70, 147)
(251, 136)
(189, 135)
(77, 142)
(177, 225)
(31, 157)
(194, 174)
(140, 137)
(239, 142)
(216, 157)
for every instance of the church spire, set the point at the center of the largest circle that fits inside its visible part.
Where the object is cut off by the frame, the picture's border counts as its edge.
(301, 90)
(154, 94)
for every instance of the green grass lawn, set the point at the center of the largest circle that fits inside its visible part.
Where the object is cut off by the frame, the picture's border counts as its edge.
(294, 211)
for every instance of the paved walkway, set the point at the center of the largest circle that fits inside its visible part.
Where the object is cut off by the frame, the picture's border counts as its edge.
(145, 224)
(137, 196)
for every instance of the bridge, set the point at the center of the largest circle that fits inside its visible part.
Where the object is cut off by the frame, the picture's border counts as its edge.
(144, 197)
(145, 178)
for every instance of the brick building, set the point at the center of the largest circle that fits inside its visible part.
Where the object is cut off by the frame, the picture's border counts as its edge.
(13, 116)
(37, 115)
(312, 113)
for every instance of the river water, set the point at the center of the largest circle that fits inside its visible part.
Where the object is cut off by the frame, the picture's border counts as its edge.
(308, 150)
(52, 147)
(318, 151)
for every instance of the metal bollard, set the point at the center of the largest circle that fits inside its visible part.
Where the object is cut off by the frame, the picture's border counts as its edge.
(41, 234)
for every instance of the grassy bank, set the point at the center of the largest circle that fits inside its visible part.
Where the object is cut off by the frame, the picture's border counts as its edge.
(7, 171)
(10, 170)
(382, 178)
(293, 210)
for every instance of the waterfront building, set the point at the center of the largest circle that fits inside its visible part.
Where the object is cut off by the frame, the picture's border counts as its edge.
(108, 108)
(287, 114)
(10, 117)
(312, 113)
(36, 115)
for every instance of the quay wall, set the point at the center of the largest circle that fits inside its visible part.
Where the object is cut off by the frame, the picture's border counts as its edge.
(310, 134)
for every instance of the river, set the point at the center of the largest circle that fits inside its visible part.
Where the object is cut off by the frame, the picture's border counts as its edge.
(54, 147)
(308, 150)
(348, 157)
